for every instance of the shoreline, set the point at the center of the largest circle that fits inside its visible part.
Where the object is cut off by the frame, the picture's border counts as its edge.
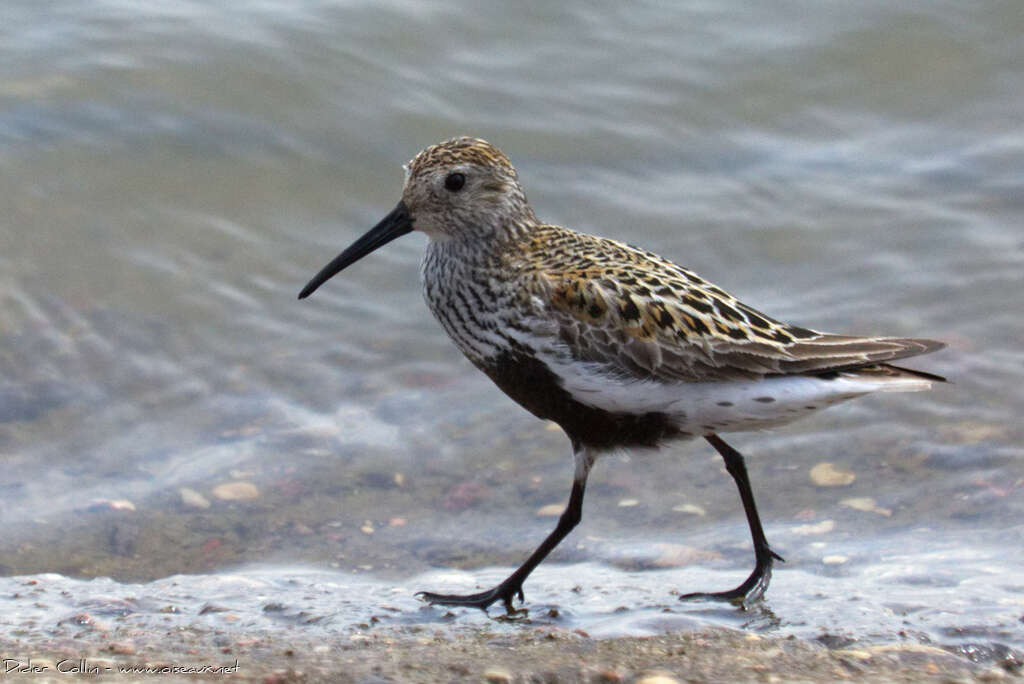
(533, 654)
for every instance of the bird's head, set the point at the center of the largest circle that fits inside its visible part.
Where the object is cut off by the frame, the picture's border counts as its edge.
(460, 189)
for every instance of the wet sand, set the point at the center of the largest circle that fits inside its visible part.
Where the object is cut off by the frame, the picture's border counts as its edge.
(528, 654)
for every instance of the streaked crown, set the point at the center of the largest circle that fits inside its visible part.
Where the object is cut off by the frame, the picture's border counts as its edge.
(465, 188)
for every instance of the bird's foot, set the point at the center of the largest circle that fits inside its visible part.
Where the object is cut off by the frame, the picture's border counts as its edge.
(504, 592)
(752, 589)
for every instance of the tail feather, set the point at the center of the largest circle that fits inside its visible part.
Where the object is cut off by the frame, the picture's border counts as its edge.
(921, 374)
(888, 378)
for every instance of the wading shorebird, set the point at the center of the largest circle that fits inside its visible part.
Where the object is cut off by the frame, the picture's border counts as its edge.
(618, 346)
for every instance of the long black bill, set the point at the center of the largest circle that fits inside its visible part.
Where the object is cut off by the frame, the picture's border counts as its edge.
(394, 225)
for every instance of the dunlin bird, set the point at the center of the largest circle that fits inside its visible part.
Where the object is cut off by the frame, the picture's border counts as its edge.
(619, 346)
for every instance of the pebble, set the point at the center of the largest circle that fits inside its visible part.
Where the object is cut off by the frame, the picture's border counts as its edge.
(497, 676)
(690, 508)
(628, 503)
(112, 504)
(236, 491)
(192, 498)
(822, 527)
(550, 510)
(828, 475)
(836, 559)
(121, 648)
(866, 503)
(657, 677)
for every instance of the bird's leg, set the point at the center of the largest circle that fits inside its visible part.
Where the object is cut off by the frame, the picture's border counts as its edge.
(755, 585)
(512, 586)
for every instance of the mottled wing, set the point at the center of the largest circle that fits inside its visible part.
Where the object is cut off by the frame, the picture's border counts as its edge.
(635, 314)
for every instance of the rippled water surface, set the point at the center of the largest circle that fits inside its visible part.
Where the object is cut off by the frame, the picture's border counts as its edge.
(173, 174)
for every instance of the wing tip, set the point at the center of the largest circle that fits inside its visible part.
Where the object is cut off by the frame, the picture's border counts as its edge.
(927, 346)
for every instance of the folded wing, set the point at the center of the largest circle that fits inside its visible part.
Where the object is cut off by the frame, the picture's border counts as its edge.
(636, 315)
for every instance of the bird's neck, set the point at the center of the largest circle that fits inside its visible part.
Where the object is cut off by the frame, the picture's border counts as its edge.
(481, 244)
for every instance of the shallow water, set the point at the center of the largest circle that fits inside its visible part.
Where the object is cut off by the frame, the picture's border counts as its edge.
(173, 176)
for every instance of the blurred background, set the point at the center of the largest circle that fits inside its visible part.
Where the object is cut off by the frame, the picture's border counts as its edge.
(173, 173)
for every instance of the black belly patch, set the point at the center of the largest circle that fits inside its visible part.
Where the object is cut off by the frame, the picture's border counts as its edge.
(536, 388)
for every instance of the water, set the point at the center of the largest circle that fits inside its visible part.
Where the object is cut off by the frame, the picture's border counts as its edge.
(173, 175)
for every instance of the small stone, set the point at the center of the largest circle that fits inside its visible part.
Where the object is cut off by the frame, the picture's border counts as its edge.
(657, 677)
(236, 491)
(397, 522)
(193, 499)
(822, 527)
(867, 504)
(399, 480)
(628, 503)
(121, 648)
(367, 528)
(111, 504)
(828, 475)
(497, 676)
(834, 559)
(692, 509)
(550, 510)
(923, 649)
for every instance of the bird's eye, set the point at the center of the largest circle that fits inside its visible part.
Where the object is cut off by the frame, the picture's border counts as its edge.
(454, 181)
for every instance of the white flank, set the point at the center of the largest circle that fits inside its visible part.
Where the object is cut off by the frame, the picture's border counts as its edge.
(703, 407)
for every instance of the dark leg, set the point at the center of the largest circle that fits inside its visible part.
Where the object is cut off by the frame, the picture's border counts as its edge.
(755, 585)
(513, 584)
